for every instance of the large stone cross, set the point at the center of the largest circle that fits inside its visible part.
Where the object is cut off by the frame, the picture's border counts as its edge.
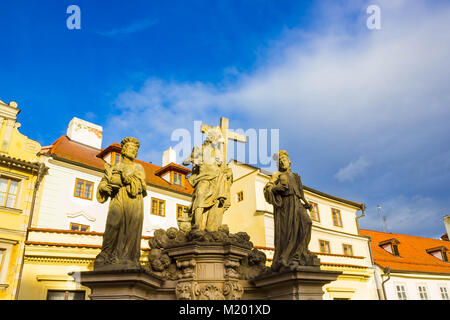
(227, 134)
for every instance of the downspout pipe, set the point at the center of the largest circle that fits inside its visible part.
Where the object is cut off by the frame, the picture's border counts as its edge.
(387, 272)
(41, 172)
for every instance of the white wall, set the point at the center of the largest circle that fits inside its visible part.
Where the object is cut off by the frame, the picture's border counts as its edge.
(411, 282)
(59, 207)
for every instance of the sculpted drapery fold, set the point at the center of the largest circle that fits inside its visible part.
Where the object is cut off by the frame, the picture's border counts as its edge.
(124, 183)
(292, 223)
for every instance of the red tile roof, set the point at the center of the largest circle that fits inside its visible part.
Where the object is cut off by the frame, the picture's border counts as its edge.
(78, 153)
(413, 252)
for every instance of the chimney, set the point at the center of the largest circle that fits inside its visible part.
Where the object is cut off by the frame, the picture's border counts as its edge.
(169, 156)
(447, 225)
(85, 132)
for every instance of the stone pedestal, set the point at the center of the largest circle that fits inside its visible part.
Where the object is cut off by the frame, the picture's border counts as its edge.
(208, 271)
(304, 284)
(125, 285)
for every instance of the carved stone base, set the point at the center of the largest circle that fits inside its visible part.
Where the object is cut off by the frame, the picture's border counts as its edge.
(125, 285)
(209, 271)
(304, 284)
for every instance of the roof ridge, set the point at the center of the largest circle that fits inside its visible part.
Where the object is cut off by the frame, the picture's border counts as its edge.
(403, 234)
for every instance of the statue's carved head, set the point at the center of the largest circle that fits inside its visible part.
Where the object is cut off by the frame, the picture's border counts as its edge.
(214, 135)
(282, 157)
(130, 147)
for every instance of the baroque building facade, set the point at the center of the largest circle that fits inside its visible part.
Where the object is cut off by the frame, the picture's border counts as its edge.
(66, 232)
(20, 177)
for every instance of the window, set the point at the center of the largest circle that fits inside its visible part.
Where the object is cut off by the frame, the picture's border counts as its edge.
(315, 211)
(444, 292)
(401, 292)
(115, 158)
(158, 207)
(348, 249)
(180, 209)
(240, 196)
(177, 178)
(65, 295)
(8, 192)
(83, 189)
(337, 221)
(2, 258)
(422, 292)
(444, 256)
(324, 246)
(395, 250)
(79, 227)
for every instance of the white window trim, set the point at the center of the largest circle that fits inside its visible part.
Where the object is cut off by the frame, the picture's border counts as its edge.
(404, 286)
(443, 285)
(426, 291)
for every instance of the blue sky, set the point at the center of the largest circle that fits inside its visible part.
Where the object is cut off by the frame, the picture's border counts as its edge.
(364, 113)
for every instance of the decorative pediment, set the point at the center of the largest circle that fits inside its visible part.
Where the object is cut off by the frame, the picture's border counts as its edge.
(81, 213)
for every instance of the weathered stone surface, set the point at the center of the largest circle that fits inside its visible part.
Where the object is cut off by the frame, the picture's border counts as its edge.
(124, 183)
(291, 219)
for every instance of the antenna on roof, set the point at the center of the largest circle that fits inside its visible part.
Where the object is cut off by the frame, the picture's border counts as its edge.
(383, 219)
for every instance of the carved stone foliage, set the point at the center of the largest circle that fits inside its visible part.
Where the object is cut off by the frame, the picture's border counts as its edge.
(185, 290)
(233, 290)
(210, 292)
(165, 267)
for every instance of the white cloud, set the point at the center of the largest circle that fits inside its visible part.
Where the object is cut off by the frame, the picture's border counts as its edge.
(335, 93)
(353, 169)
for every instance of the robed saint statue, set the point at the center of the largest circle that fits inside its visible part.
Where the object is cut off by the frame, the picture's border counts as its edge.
(291, 219)
(123, 183)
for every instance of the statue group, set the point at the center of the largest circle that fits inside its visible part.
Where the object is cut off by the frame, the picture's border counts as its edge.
(124, 184)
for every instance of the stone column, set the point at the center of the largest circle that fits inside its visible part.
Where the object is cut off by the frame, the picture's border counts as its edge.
(209, 271)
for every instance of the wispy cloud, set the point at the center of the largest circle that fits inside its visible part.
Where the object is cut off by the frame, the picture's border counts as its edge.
(132, 28)
(353, 169)
(335, 93)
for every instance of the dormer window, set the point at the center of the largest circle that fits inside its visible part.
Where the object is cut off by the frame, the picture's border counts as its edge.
(439, 252)
(177, 178)
(115, 158)
(112, 154)
(173, 173)
(391, 246)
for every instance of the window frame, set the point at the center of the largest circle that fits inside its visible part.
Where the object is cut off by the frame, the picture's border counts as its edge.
(327, 243)
(19, 181)
(83, 189)
(338, 212)
(79, 225)
(401, 293)
(425, 291)
(240, 196)
(66, 293)
(344, 245)
(182, 209)
(172, 178)
(158, 201)
(447, 296)
(316, 205)
(113, 158)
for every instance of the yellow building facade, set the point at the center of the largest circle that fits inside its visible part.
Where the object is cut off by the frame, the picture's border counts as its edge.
(20, 176)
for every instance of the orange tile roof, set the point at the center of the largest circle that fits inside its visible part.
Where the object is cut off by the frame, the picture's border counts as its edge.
(64, 148)
(412, 249)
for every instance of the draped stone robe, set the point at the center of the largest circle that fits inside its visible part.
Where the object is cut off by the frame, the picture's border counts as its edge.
(122, 238)
(211, 182)
(292, 223)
